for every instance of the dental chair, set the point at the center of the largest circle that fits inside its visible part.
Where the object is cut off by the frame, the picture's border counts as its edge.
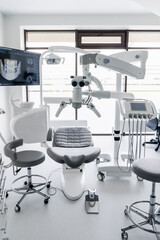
(73, 148)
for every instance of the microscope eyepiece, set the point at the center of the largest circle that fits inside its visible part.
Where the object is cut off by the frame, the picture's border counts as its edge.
(74, 83)
(81, 83)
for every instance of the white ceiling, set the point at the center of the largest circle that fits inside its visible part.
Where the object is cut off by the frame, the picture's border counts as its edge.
(12, 7)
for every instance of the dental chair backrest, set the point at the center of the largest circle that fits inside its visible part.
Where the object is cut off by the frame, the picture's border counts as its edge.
(19, 107)
(72, 137)
(31, 126)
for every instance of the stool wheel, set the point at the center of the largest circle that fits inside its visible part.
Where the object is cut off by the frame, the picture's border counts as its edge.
(46, 200)
(17, 208)
(124, 235)
(48, 185)
(126, 210)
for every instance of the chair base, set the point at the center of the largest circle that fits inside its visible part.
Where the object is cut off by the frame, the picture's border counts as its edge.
(73, 181)
(153, 141)
(29, 187)
(141, 217)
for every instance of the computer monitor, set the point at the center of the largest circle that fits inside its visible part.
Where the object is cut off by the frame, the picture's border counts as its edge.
(18, 67)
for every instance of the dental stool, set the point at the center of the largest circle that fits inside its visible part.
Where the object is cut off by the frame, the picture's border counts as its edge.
(26, 159)
(73, 148)
(148, 169)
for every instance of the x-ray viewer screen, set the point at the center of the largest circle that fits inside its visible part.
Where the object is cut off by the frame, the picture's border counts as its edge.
(18, 67)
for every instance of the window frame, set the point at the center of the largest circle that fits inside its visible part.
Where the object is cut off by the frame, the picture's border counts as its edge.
(96, 33)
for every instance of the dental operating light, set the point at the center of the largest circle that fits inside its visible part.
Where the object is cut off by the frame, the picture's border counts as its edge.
(52, 59)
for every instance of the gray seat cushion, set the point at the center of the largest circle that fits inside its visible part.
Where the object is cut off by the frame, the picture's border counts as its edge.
(28, 158)
(148, 169)
(73, 156)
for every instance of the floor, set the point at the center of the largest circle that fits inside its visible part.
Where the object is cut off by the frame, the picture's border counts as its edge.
(64, 219)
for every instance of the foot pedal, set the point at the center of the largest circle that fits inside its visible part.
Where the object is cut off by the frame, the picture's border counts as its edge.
(92, 202)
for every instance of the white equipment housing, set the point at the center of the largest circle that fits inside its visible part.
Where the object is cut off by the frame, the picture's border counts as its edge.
(137, 108)
(73, 181)
(122, 64)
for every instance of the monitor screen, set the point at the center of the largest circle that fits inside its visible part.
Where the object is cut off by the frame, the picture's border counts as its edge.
(18, 67)
(138, 107)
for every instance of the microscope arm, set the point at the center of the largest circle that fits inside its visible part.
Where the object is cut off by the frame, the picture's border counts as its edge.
(117, 64)
(61, 107)
(109, 94)
(91, 78)
(132, 56)
(93, 108)
(97, 82)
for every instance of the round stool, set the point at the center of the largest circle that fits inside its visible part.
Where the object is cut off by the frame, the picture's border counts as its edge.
(148, 169)
(26, 159)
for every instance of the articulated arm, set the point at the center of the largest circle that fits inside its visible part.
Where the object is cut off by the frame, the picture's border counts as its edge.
(109, 94)
(118, 62)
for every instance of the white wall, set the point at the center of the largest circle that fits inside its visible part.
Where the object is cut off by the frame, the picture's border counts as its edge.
(4, 95)
(2, 29)
(4, 123)
(13, 23)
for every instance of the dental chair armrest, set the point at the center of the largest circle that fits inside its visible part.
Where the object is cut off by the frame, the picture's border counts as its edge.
(12, 145)
(74, 162)
(50, 134)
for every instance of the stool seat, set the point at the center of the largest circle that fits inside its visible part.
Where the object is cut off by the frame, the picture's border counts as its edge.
(28, 158)
(147, 168)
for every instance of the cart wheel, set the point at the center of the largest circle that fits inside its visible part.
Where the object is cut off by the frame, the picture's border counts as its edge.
(100, 176)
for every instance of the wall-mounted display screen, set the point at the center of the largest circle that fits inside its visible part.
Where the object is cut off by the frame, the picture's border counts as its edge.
(18, 67)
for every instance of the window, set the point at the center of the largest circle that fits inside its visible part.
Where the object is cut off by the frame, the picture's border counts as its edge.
(106, 107)
(45, 39)
(149, 87)
(56, 80)
(101, 39)
(144, 39)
